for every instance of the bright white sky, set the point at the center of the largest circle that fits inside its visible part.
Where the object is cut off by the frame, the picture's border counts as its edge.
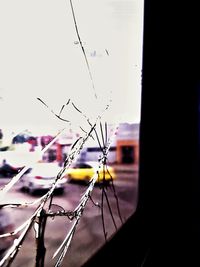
(39, 57)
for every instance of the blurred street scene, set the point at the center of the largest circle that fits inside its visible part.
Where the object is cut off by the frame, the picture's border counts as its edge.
(89, 236)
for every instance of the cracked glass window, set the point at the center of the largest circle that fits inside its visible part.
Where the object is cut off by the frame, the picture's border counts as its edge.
(70, 95)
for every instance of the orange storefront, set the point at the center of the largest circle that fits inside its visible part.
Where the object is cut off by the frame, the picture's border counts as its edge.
(127, 151)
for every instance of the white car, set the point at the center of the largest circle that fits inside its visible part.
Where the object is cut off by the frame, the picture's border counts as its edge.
(41, 177)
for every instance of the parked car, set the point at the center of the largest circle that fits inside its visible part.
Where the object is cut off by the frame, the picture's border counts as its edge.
(84, 171)
(6, 226)
(41, 176)
(7, 170)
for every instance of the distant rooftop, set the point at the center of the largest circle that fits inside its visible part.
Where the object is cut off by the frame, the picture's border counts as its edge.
(128, 131)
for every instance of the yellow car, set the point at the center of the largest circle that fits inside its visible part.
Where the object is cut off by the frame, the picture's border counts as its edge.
(84, 171)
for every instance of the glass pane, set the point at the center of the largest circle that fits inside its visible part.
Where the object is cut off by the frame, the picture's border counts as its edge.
(70, 91)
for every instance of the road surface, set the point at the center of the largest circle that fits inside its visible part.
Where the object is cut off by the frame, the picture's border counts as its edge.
(89, 234)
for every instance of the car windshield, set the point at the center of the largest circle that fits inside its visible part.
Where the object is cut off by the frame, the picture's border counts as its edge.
(83, 166)
(86, 165)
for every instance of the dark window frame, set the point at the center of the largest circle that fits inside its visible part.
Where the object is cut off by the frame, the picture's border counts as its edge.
(165, 228)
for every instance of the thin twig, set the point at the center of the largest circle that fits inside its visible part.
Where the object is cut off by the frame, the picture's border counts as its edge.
(102, 216)
(115, 195)
(40, 225)
(109, 207)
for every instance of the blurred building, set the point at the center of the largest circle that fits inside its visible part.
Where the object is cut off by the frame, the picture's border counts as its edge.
(123, 150)
(127, 144)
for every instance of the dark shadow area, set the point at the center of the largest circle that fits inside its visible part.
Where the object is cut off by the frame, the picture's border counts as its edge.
(165, 229)
(41, 192)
